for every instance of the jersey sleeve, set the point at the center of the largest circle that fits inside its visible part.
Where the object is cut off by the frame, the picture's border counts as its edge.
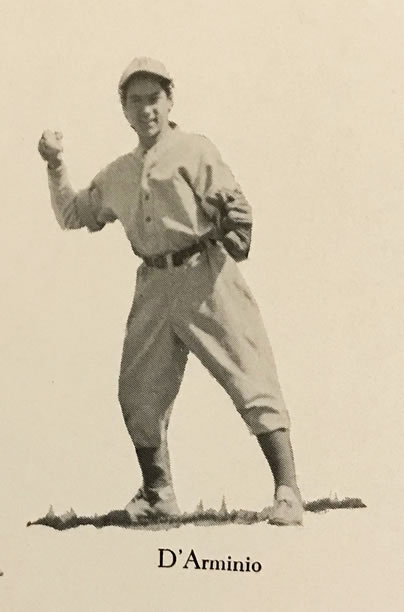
(77, 209)
(213, 174)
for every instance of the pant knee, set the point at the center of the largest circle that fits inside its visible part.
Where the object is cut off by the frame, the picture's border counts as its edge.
(265, 419)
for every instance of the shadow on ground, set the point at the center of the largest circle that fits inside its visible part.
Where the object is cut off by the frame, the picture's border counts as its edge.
(202, 518)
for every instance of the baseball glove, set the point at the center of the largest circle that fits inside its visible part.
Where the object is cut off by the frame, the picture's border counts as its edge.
(235, 221)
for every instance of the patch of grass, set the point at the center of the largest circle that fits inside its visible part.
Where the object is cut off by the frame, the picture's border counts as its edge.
(200, 517)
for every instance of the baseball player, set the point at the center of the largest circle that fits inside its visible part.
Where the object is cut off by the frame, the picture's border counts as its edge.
(186, 217)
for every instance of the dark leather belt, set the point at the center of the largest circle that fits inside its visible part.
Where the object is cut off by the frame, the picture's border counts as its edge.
(177, 258)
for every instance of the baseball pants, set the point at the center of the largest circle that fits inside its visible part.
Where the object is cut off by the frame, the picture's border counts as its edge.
(203, 306)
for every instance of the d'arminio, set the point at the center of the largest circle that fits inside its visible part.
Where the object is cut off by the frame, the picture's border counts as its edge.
(168, 559)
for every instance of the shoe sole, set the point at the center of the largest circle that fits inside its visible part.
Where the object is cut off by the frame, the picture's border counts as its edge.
(281, 523)
(152, 515)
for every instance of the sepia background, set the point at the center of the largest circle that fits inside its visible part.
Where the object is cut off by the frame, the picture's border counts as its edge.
(304, 100)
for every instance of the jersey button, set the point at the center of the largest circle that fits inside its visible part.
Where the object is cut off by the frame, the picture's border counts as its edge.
(146, 196)
(148, 219)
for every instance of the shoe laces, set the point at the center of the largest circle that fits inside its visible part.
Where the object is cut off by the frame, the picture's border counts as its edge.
(140, 495)
(288, 502)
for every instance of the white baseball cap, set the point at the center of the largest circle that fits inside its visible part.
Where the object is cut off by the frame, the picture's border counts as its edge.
(144, 65)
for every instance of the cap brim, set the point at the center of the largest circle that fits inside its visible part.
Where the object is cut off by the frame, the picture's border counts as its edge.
(158, 75)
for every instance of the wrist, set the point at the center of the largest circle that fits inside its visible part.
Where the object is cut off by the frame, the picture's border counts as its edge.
(55, 163)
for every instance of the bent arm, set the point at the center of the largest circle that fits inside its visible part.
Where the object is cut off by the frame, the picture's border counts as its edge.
(72, 209)
(219, 189)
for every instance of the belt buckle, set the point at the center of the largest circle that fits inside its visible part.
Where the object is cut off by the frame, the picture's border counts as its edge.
(169, 261)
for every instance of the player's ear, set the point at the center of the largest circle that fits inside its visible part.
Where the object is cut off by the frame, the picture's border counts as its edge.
(125, 111)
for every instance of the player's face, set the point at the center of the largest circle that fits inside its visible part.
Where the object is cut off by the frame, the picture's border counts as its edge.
(147, 108)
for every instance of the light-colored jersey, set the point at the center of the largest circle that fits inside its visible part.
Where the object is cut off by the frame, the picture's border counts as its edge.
(158, 195)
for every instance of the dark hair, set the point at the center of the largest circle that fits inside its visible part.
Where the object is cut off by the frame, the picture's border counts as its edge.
(165, 84)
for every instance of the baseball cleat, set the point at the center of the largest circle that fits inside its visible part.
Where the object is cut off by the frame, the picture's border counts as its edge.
(154, 503)
(287, 508)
